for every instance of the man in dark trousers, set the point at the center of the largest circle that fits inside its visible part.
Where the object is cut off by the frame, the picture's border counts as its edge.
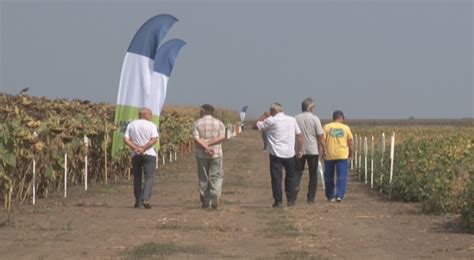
(313, 135)
(282, 133)
(141, 135)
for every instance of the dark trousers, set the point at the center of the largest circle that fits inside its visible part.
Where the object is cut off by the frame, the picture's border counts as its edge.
(312, 160)
(276, 172)
(143, 164)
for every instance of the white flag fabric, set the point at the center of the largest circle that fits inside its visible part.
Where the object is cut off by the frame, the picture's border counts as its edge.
(141, 83)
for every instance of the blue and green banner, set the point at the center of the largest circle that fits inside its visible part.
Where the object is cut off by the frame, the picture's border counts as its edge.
(145, 73)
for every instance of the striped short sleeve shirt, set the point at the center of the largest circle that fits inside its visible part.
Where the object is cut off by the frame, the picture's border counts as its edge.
(208, 127)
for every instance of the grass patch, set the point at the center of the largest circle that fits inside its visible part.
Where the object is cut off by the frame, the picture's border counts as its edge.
(7, 222)
(173, 225)
(168, 225)
(107, 189)
(161, 250)
(230, 192)
(229, 202)
(293, 254)
(236, 181)
(280, 228)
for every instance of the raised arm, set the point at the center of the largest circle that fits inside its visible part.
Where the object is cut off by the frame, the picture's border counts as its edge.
(264, 116)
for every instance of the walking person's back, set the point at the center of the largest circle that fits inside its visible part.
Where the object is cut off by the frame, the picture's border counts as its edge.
(313, 134)
(338, 138)
(140, 136)
(208, 133)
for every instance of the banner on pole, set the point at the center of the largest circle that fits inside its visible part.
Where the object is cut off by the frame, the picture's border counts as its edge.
(145, 73)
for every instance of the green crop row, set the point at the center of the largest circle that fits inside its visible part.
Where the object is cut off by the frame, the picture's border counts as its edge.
(434, 166)
(43, 130)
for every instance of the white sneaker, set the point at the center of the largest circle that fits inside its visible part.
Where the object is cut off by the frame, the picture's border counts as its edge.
(338, 199)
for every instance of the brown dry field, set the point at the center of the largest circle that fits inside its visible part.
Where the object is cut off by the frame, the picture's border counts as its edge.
(101, 223)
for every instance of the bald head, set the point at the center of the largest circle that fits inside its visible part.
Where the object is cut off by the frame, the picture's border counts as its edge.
(145, 113)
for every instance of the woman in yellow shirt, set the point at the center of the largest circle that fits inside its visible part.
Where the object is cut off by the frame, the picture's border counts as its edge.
(338, 138)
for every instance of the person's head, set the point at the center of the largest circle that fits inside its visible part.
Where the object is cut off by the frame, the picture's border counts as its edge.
(307, 105)
(206, 109)
(338, 115)
(145, 113)
(275, 108)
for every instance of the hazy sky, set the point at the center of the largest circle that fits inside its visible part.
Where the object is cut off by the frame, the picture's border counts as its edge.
(372, 59)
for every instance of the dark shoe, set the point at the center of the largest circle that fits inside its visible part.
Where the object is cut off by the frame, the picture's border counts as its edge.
(146, 205)
(137, 206)
(311, 201)
(277, 205)
(291, 203)
(205, 205)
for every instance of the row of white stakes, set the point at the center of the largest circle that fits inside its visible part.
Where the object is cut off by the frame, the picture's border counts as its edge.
(87, 143)
(361, 146)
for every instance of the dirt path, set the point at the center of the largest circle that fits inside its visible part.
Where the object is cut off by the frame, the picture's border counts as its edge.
(102, 224)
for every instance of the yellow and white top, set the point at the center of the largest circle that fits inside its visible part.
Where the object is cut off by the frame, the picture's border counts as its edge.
(337, 136)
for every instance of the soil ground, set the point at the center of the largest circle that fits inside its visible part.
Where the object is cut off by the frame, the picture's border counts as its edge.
(102, 224)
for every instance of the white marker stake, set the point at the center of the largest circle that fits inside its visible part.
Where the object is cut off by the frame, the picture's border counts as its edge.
(382, 145)
(175, 156)
(86, 144)
(65, 175)
(321, 174)
(171, 157)
(34, 181)
(360, 152)
(354, 158)
(85, 173)
(392, 155)
(382, 148)
(365, 157)
(372, 164)
(163, 157)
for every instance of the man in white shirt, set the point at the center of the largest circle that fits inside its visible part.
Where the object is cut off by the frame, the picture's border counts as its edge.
(313, 135)
(281, 131)
(141, 135)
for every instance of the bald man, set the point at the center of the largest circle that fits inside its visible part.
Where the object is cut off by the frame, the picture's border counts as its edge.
(140, 136)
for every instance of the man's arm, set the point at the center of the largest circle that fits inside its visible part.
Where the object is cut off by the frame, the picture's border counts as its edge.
(203, 144)
(215, 140)
(322, 145)
(260, 119)
(299, 145)
(130, 144)
(218, 139)
(351, 149)
(148, 145)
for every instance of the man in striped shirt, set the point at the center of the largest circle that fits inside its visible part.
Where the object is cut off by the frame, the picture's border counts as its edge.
(208, 133)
